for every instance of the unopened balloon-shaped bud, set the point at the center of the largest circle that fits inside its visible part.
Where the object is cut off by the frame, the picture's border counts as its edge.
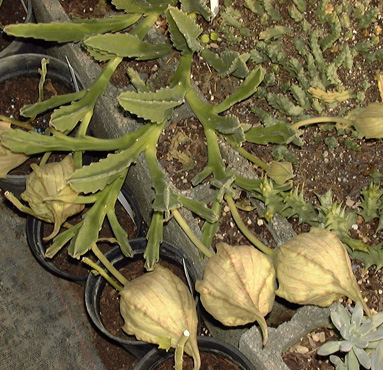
(157, 307)
(280, 172)
(49, 195)
(314, 268)
(238, 286)
(369, 122)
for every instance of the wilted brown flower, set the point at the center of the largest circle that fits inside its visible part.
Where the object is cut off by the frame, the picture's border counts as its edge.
(8, 159)
(314, 268)
(238, 286)
(49, 195)
(157, 307)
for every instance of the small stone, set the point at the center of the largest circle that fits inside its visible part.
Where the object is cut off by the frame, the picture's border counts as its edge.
(301, 349)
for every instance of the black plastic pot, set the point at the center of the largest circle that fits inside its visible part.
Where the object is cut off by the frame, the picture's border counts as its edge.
(18, 46)
(34, 231)
(96, 284)
(27, 65)
(156, 357)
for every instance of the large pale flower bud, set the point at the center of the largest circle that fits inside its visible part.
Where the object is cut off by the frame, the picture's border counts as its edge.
(49, 195)
(8, 159)
(314, 268)
(369, 122)
(157, 307)
(238, 286)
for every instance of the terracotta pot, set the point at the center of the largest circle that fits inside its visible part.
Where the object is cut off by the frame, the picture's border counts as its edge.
(34, 230)
(27, 65)
(207, 345)
(96, 284)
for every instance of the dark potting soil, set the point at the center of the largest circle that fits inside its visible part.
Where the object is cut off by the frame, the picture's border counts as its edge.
(209, 361)
(19, 91)
(11, 11)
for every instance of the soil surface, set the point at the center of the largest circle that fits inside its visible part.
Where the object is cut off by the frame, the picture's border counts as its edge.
(11, 11)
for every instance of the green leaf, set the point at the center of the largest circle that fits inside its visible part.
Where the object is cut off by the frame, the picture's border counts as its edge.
(276, 134)
(126, 45)
(284, 105)
(143, 6)
(199, 208)
(196, 6)
(96, 176)
(274, 32)
(154, 237)
(371, 202)
(120, 234)
(245, 90)
(31, 110)
(71, 31)
(230, 62)
(373, 256)
(153, 106)
(136, 80)
(184, 31)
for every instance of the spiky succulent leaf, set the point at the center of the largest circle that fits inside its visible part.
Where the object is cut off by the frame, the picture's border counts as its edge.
(126, 45)
(296, 206)
(71, 31)
(184, 31)
(246, 89)
(143, 6)
(152, 106)
(196, 6)
(373, 256)
(371, 202)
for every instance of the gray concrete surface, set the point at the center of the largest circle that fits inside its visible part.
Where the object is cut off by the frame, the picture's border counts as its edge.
(42, 325)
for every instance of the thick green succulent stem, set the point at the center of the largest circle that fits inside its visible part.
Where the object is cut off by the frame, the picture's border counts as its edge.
(108, 265)
(188, 231)
(312, 121)
(241, 225)
(102, 273)
(179, 352)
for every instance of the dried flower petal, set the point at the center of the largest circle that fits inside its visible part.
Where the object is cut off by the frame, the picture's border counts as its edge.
(314, 268)
(238, 286)
(158, 306)
(8, 159)
(49, 195)
(369, 122)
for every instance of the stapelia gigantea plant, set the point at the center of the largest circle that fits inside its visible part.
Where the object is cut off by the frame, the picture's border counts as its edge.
(102, 181)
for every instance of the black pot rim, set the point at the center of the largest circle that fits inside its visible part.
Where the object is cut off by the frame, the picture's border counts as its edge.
(34, 230)
(206, 344)
(17, 45)
(95, 285)
(27, 65)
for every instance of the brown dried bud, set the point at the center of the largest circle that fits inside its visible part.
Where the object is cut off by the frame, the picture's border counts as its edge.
(314, 268)
(157, 307)
(238, 286)
(49, 195)
(8, 159)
